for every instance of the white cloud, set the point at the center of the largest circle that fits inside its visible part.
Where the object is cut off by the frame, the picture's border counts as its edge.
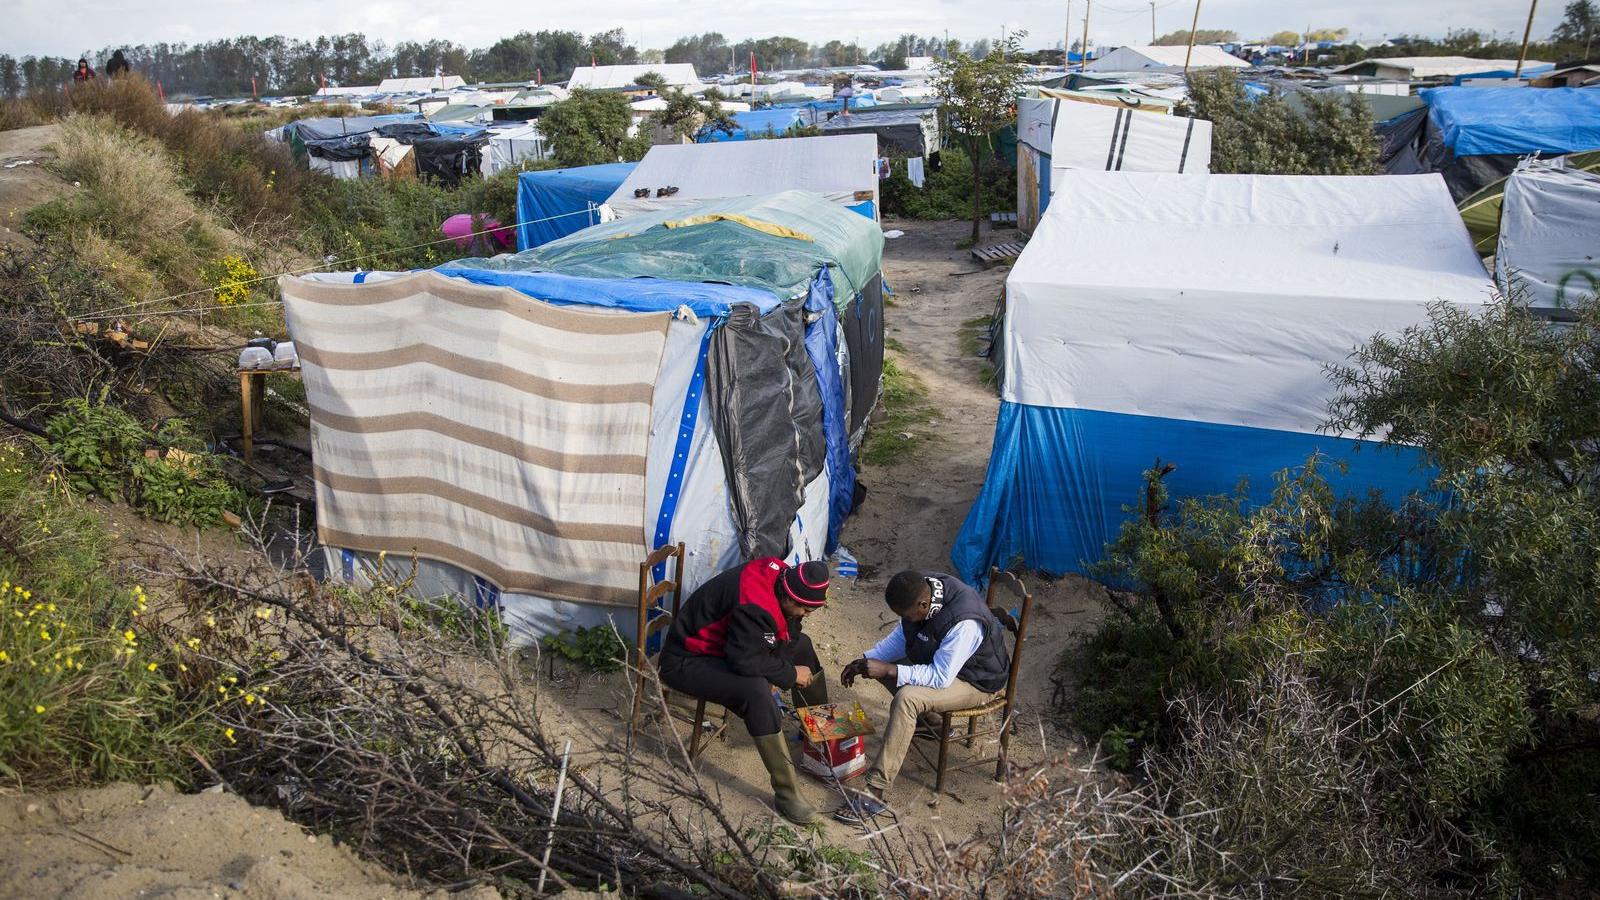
(37, 26)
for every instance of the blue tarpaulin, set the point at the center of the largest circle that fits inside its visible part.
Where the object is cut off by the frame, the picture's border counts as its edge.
(1484, 121)
(631, 294)
(754, 123)
(822, 345)
(556, 202)
(1060, 481)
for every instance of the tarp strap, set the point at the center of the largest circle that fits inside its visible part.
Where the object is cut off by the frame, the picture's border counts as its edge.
(1184, 156)
(680, 452)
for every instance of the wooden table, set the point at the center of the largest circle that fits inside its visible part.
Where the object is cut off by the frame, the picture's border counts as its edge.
(252, 398)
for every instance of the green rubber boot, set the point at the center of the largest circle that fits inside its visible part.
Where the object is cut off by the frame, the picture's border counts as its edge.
(785, 782)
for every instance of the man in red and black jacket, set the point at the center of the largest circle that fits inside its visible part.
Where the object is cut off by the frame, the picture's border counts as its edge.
(739, 636)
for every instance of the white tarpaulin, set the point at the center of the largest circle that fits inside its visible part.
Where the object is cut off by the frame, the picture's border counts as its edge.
(838, 167)
(1220, 298)
(610, 78)
(1550, 235)
(1091, 136)
(1132, 59)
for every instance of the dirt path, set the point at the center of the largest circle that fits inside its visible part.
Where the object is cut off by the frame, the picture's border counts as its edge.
(911, 515)
(24, 180)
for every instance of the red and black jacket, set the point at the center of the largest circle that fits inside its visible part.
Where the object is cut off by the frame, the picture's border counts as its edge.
(736, 616)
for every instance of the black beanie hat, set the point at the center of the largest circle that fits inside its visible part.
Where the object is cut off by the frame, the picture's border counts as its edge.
(807, 583)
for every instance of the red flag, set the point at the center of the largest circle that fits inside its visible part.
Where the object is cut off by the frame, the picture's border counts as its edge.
(538, 75)
(252, 87)
(591, 61)
(324, 78)
(161, 92)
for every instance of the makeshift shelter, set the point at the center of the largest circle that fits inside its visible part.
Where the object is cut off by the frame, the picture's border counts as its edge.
(1481, 209)
(1211, 359)
(1089, 136)
(839, 168)
(530, 426)
(615, 78)
(1132, 59)
(1475, 136)
(900, 132)
(556, 202)
(509, 146)
(756, 123)
(1422, 68)
(1549, 245)
(419, 85)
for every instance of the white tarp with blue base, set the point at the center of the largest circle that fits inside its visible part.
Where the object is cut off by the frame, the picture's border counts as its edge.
(1191, 318)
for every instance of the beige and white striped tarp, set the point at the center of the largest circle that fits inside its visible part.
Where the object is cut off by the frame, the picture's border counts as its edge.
(480, 427)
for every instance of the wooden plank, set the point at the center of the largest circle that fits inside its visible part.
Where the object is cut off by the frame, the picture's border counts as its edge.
(997, 254)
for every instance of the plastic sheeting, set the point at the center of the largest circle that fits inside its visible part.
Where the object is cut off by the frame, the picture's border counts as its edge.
(839, 168)
(757, 123)
(633, 295)
(508, 147)
(720, 246)
(449, 157)
(1484, 121)
(823, 347)
(900, 132)
(1549, 243)
(767, 407)
(1088, 136)
(555, 203)
(1481, 210)
(863, 335)
(1059, 479)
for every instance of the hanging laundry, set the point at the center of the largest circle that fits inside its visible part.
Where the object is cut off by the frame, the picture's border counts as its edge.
(914, 170)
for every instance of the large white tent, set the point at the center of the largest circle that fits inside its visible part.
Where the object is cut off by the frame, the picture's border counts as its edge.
(420, 84)
(1091, 136)
(838, 167)
(1191, 318)
(1132, 59)
(610, 78)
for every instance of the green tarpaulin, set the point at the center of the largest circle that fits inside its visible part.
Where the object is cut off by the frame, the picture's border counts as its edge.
(775, 242)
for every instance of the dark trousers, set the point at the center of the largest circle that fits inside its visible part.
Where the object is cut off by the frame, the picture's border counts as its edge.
(747, 696)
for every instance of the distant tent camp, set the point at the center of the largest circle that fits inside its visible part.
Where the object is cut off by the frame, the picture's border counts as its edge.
(839, 168)
(1132, 59)
(557, 202)
(1211, 358)
(530, 426)
(1422, 68)
(342, 146)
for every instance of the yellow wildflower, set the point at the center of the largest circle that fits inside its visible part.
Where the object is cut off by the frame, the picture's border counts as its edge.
(38, 709)
(150, 667)
(229, 735)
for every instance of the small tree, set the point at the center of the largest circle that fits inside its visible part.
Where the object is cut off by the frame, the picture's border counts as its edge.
(687, 116)
(1579, 24)
(591, 127)
(979, 95)
(1266, 136)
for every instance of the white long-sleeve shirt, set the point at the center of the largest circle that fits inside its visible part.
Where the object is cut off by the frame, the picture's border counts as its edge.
(959, 643)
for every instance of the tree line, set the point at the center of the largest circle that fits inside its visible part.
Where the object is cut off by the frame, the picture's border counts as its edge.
(282, 65)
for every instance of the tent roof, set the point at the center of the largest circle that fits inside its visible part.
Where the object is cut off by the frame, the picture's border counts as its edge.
(835, 167)
(418, 85)
(603, 78)
(773, 243)
(1441, 66)
(1125, 59)
(1478, 121)
(1377, 237)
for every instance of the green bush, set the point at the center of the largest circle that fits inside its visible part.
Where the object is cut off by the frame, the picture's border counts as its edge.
(947, 193)
(1266, 136)
(92, 688)
(599, 649)
(104, 451)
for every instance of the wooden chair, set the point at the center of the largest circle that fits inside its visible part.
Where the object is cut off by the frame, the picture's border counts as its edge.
(648, 625)
(1005, 703)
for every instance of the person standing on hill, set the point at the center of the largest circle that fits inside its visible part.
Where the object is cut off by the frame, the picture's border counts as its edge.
(82, 74)
(118, 66)
(736, 639)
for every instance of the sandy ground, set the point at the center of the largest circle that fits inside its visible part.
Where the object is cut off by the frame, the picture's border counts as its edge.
(24, 181)
(128, 841)
(911, 515)
(124, 840)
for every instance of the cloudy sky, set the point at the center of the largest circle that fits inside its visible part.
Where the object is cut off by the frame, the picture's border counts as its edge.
(41, 27)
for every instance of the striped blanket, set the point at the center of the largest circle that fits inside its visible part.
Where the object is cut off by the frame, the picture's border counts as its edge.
(477, 426)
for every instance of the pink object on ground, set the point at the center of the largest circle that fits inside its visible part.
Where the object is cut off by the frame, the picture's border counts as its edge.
(460, 228)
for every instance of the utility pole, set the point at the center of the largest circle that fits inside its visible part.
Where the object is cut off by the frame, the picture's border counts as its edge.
(1152, 21)
(1083, 58)
(1192, 26)
(1066, 42)
(1526, 32)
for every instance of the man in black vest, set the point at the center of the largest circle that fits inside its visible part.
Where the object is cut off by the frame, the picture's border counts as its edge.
(948, 652)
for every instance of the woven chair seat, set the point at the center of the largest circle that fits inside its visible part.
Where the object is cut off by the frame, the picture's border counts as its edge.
(992, 706)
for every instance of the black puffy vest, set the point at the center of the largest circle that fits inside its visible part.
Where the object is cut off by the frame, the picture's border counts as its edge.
(955, 602)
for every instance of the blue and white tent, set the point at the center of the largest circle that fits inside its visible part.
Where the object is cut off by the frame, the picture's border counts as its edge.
(1190, 317)
(554, 203)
